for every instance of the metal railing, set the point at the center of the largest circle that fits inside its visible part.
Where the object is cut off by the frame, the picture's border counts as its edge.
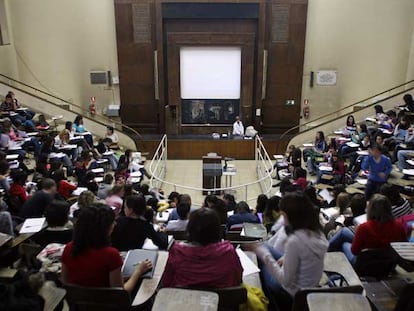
(346, 110)
(57, 101)
(264, 170)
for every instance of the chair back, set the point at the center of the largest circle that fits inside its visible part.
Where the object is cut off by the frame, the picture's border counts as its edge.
(406, 300)
(300, 303)
(81, 298)
(376, 263)
(178, 235)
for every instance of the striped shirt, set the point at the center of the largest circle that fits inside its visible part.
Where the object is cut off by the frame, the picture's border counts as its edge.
(402, 209)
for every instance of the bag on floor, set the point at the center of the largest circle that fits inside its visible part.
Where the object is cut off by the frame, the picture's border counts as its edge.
(256, 299)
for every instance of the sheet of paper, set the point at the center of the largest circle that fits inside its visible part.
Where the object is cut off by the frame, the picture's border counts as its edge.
(79, 190)
(248, 265)
(326, 195)
(352, 144)
(32, 225)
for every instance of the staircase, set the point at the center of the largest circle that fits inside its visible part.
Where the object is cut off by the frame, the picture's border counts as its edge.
(51, 105)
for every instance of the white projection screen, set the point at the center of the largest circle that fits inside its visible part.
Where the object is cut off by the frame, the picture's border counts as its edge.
(210, 72)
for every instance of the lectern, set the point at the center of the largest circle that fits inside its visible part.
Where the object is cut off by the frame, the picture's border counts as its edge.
(212, 171)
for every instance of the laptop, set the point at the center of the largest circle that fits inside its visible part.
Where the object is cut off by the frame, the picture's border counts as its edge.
(135, 257)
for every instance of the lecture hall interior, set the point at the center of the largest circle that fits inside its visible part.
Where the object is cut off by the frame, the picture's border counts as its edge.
(207, 154)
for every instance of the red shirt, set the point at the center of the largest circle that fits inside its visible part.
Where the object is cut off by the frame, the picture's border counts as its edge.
(18, 190)
(373, 234)
(213, 266)
(65, 188)
(91, 268)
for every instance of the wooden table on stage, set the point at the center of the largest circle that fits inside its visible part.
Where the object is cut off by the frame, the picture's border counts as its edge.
(337, 301)
(149, 286)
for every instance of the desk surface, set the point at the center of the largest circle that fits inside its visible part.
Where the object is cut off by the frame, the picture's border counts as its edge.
(340, 301)
(337, 262)
(172, 299)
(404, 249)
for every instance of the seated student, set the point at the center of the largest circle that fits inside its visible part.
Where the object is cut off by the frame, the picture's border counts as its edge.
(378, 232)
(36, 205)
(183, 211)
(62, 140)
(8, 106)
(105, 186)
(182, 198)
(379, 167)
(89, 260)
(86, 199)
(299, 178)
(230, 201)
(204, 261)
(102, 150)
(18, 188)
(294, 158)
(399, 205)
(241, 215)
(59, 228)
(319, 148)
(261, 203)
(41, 122)
(114, 198)
(64, 187)
(358, 205)
(26, 113)
(133, 229)
(78, 127)
(220, 208)
(86, 163)
(272, 212)
(110, 133)
(301, 265)
(4, 173)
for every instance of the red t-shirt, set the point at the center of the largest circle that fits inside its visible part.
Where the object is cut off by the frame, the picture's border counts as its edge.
(66, 188)
(373, 234)
(91, 268)
(18, 190)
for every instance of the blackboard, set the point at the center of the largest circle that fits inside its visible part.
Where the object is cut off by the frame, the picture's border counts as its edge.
(209, 111)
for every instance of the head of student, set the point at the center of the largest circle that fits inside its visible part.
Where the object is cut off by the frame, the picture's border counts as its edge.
(57, 213)
(358, 204)
(183, 210)
(93, 228)
(210, 200)
(86, 199)
(108, 179)
(109, 130)
(220, 208)
(291, 148)
(19, 177)
(135, 206)
(379, 209)
(320, 136)
(378, 109)
(78, 120)
(299, 212)
(392, 192)
(203, 227)
(68, 125)
(350, 121)
(408, 99)
(261, 203)
(375, 150)
(48, 185)
(184, 198)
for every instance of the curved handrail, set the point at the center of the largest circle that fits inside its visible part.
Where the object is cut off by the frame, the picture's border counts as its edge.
(344, 108)
(154, 176)
(104, 120)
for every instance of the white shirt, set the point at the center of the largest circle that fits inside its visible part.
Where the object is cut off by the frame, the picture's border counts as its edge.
(238, 128)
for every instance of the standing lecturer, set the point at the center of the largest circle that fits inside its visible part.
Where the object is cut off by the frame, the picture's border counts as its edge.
(238, 128)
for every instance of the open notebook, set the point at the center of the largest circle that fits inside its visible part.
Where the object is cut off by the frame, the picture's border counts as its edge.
(134, 258)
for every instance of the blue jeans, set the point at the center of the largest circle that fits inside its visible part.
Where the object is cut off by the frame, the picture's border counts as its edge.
(372, 187)
(341, 242)
(402, 157)
(279, 299)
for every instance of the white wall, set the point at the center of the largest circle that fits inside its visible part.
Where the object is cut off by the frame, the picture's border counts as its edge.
(367, 41)
(60, 41)
(8, 63)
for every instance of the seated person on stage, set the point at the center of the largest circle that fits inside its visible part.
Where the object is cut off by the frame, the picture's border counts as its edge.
(79, 128)
(64, 187)
(59, 228)
(378, 232)
(238, 127)
(183, 211)
(241, 215)
(204, 261)
(399, 205)
(301, 264)
(110, 133)
(379, 167)
(105, 186)
(89, 260)
(133, 229)
(35, 206)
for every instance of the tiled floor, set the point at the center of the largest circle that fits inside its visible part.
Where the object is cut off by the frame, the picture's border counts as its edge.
(188, 173)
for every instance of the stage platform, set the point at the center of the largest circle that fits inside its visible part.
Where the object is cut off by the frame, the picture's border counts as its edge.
(192, 147)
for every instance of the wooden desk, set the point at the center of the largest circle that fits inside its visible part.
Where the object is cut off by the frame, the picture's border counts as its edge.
(149, 286)
(337, 301)
(25, 236)
(172, 299)
(52, 295)
(337, 262)
(404, 249)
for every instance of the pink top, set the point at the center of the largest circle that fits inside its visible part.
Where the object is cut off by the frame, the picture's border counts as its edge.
(213, 266)
(116, 202)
